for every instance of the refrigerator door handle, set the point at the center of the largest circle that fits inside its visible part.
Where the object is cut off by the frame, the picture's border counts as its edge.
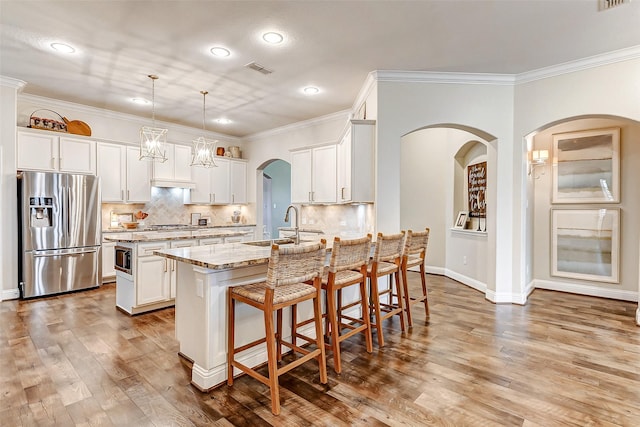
(58, 252)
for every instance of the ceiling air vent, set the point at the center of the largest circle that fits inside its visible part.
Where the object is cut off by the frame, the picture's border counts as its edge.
(609, 4)
(259, 68)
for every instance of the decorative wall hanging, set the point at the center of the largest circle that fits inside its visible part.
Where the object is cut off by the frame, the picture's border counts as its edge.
(586, 166)
(585, 244)
(477, 185)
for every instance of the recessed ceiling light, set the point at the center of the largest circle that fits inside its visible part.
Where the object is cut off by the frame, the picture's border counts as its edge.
(140, 101)
(61, 47)
(220, 51)
(223, 121)
(272, 37)
(310, 90)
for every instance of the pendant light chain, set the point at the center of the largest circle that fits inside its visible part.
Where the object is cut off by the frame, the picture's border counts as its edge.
(153, 78)
(204, 108)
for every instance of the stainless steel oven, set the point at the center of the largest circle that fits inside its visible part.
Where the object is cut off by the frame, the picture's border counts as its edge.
(123, 259)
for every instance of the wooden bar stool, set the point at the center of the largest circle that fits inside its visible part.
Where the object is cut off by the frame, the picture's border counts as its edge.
(289, 268)
(347, 267)
(413, 255)
(386, 261)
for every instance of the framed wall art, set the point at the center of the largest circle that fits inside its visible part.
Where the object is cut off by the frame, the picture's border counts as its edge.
(461, 220)
(585, 244)
(586, 166)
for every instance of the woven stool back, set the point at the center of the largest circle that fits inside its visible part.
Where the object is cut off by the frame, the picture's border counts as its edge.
(416, 242)
(389, 247)
(295, 264)
(349, 254)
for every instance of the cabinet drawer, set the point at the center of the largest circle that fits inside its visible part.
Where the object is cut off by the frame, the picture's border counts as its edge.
(183, 243)
(211, 241)
(147, 249)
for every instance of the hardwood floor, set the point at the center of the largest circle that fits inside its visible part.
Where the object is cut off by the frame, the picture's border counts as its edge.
(560, 360)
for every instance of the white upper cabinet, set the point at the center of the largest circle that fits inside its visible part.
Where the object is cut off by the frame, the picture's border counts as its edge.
(220, 180)
(201, 193)
(314, 175)
(112, 171)
(356, 165)
(47, 151)
(238, 181)
(125, 178)
(221, 185)
(176, 170)
(138, 188)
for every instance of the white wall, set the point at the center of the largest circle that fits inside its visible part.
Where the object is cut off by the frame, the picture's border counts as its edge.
(276, 144)
(113, 126)
(610, 89)
(629, 206)
(8, 200)
(404, 107)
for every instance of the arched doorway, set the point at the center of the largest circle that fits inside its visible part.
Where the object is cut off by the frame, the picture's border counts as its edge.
(434, 161)
(274, 182)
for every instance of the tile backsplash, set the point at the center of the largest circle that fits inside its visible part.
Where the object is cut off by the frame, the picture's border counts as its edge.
(166, 207)
(339, 220)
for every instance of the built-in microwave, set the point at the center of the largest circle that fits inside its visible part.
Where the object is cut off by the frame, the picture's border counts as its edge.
(123, 259)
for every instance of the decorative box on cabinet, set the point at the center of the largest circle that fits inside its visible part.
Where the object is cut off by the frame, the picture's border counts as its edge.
(356, 163)
(125, 178)
(50, 151)
(313, 175)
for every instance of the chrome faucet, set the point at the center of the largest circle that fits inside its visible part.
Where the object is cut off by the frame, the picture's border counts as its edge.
(286, 219)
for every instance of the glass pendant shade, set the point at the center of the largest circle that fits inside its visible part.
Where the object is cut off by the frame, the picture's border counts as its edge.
(203, 150)
(153, 140)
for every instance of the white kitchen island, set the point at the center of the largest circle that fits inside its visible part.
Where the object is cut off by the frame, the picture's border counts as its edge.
(149, 282)
(203, 275)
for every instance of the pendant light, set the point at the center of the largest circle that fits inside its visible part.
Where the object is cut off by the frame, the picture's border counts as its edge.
(153, 140)
(203, 149)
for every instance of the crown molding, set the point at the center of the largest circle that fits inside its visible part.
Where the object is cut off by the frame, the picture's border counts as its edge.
(12, 83)
(580, 64)
(344, 114)
(110, 114)
(439, 77)
(365, 91)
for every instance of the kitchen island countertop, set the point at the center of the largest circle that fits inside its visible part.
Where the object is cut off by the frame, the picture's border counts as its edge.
(225, 256)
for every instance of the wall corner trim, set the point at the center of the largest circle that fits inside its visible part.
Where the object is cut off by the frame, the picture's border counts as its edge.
(13, 83)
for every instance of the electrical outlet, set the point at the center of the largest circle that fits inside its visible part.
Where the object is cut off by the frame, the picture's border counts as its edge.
(464, 260)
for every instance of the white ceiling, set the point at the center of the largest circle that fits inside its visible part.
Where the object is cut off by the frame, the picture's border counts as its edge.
(330, 44)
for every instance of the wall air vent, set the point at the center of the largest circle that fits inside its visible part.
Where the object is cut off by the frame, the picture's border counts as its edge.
(259, 68)
(609, 4)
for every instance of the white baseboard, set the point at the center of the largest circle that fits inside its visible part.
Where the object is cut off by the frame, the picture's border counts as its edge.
(8, 294)
(471, 282)
(576, 288)
(638, 316)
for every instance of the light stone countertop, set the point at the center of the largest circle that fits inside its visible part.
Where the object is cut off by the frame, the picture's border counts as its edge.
(222, 257)
(229, 255)
(138, 237)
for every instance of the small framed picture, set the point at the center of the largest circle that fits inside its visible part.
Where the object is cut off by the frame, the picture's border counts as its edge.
(461, 220)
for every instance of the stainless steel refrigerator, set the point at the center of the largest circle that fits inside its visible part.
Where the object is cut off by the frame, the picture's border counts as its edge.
(59, 224)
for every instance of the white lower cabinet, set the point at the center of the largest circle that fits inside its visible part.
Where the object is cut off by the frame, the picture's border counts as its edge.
(152, 275)
(108, 261)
